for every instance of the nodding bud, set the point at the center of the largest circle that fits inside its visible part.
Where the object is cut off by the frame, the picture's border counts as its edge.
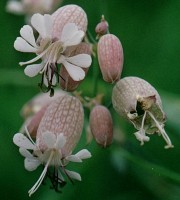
(66, 82)
(102, 27)
(68, 14)
(110, 57)
(63, 116)
(136, 100)
(101, 125)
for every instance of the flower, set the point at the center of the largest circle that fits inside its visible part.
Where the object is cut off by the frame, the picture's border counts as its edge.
(51, 50)
(52, 156)
(58, 133)
(29, 7)
(136, 100)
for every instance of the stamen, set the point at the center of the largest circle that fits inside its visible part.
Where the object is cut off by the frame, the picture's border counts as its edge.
(142, 132)
(41, 178)
(37, 57)
(162, 131)
(27, 132)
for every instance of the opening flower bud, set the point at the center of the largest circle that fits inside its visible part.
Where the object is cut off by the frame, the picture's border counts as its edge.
(110, 57)
(101, 125)
(136, 100)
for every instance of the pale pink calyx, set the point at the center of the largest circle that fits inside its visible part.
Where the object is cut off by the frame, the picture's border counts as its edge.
(68, 14)
(101, 125)
(110, 57)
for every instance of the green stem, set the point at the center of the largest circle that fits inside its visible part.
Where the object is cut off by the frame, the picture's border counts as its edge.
(95, 77)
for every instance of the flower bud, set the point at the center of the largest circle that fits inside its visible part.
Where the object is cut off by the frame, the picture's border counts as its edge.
(136, 100)
(101, 125)
(66, 82)
(69, 14)
(110, 57)
(102, 27)
(63, 116)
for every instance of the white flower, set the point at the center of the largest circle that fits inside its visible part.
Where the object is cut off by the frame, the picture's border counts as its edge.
(30, 7)
(50, 50)
(52, 156)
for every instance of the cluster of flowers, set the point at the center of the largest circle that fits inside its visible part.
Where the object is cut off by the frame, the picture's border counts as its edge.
(56, 125)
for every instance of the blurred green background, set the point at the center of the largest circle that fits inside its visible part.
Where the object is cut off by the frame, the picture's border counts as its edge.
(150, 35)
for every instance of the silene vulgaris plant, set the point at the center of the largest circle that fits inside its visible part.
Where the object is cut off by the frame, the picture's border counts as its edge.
(54, 121)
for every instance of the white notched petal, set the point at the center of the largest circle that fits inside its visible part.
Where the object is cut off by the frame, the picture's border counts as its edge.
(61, 140)
(81, 60)
(83, 154)
(73, 175)
(42, 24)
(37, 21)
(22, 141)
(73, 158)
(68, 31)
(24, 152)
(71, 35)
(76, 73)
(26, 32)
(21, 45)
(49, 138)
(33, 70)
(15, 7)
(48, 25)
(31, 164)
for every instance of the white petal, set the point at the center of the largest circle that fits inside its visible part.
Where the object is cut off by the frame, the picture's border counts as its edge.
(71, 35)
(73, 158)
(140, 135)
(31, 163)
(21, 141)
(43, 24)
(15, 7)
(27, 33)
(21, 45)
(81, 60)
(33, 70)
(73, 175)
(50, 139)
(75, 72)
(24, 152)
(48, 25)
(61, 140)
(83, 154)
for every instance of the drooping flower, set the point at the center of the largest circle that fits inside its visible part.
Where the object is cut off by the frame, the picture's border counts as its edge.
(57, 135)
(136, 100)
(51, 51)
